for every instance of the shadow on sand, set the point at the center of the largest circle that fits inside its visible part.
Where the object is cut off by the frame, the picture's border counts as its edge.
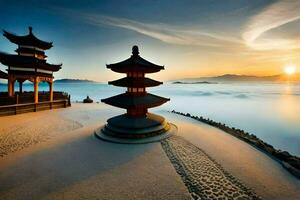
(60, 166)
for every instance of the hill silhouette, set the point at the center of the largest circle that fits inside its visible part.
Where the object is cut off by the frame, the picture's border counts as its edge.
(248, 78)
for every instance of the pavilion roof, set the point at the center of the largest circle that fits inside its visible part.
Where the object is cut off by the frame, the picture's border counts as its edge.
(27, 62)
(126, 101)
(135, 82)
(135, 64)
(3, 75)
(27, 40)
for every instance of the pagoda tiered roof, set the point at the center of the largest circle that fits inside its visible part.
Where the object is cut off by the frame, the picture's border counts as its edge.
(3, 75)
(135, 82)
(27, 40)
(129, 101)
(137, 123)
(27, 62)
(135, 64)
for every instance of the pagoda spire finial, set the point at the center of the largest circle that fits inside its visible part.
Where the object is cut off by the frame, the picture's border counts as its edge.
(135, 50)
(30, 29)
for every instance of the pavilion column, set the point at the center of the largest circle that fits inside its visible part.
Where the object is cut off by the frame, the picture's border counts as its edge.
(36, 90)
(51, 90)
(11, 86)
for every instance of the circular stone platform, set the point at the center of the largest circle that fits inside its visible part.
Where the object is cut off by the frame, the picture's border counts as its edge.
(171, 131)
(125, 129)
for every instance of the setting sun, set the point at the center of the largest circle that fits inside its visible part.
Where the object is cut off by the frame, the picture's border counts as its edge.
(289, 70)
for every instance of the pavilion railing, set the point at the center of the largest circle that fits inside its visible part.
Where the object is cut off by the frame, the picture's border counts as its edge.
(24, 102)
(28, 97)
(33, 107)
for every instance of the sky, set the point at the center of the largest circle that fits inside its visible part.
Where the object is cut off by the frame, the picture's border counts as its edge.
(191, 38)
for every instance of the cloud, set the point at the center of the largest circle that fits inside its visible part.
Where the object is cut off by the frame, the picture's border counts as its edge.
(273, 16)
(171, 34)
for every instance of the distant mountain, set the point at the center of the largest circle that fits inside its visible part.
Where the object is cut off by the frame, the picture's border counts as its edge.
(74, 81)
(196, 82)
(247, 78)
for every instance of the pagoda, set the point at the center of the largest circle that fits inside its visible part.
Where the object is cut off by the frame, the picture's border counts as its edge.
(137, 125)
(29, 63)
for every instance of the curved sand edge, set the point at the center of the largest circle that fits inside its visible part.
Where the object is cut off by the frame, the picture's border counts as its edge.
(288, 161)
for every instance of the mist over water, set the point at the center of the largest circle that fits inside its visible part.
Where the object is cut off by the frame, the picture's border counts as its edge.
(270, 111)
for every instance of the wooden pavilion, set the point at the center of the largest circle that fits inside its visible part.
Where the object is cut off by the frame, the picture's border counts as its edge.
(29, 64)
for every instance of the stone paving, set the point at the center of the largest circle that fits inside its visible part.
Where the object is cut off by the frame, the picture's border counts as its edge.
(204, 178)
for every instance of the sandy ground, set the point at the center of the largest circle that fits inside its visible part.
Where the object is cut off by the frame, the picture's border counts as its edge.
(75, 165)
(254, 168)
(21, 131)
(54, 155)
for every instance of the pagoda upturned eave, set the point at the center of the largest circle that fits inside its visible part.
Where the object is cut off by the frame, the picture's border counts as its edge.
(27, 40)
(135, 82)
(135, 64)
(128, 101)
(27, 62)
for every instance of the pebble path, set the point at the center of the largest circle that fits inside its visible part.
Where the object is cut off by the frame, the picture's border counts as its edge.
(204, 178)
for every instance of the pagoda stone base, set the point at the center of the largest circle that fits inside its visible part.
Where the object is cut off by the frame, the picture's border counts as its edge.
(125, 129)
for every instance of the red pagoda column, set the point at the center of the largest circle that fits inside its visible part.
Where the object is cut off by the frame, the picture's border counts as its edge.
(137, 124)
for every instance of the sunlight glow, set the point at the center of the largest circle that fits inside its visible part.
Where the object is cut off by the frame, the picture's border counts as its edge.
(289, 70)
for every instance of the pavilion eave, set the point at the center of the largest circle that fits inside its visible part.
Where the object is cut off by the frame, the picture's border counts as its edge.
(27, 40)
(27, 62)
